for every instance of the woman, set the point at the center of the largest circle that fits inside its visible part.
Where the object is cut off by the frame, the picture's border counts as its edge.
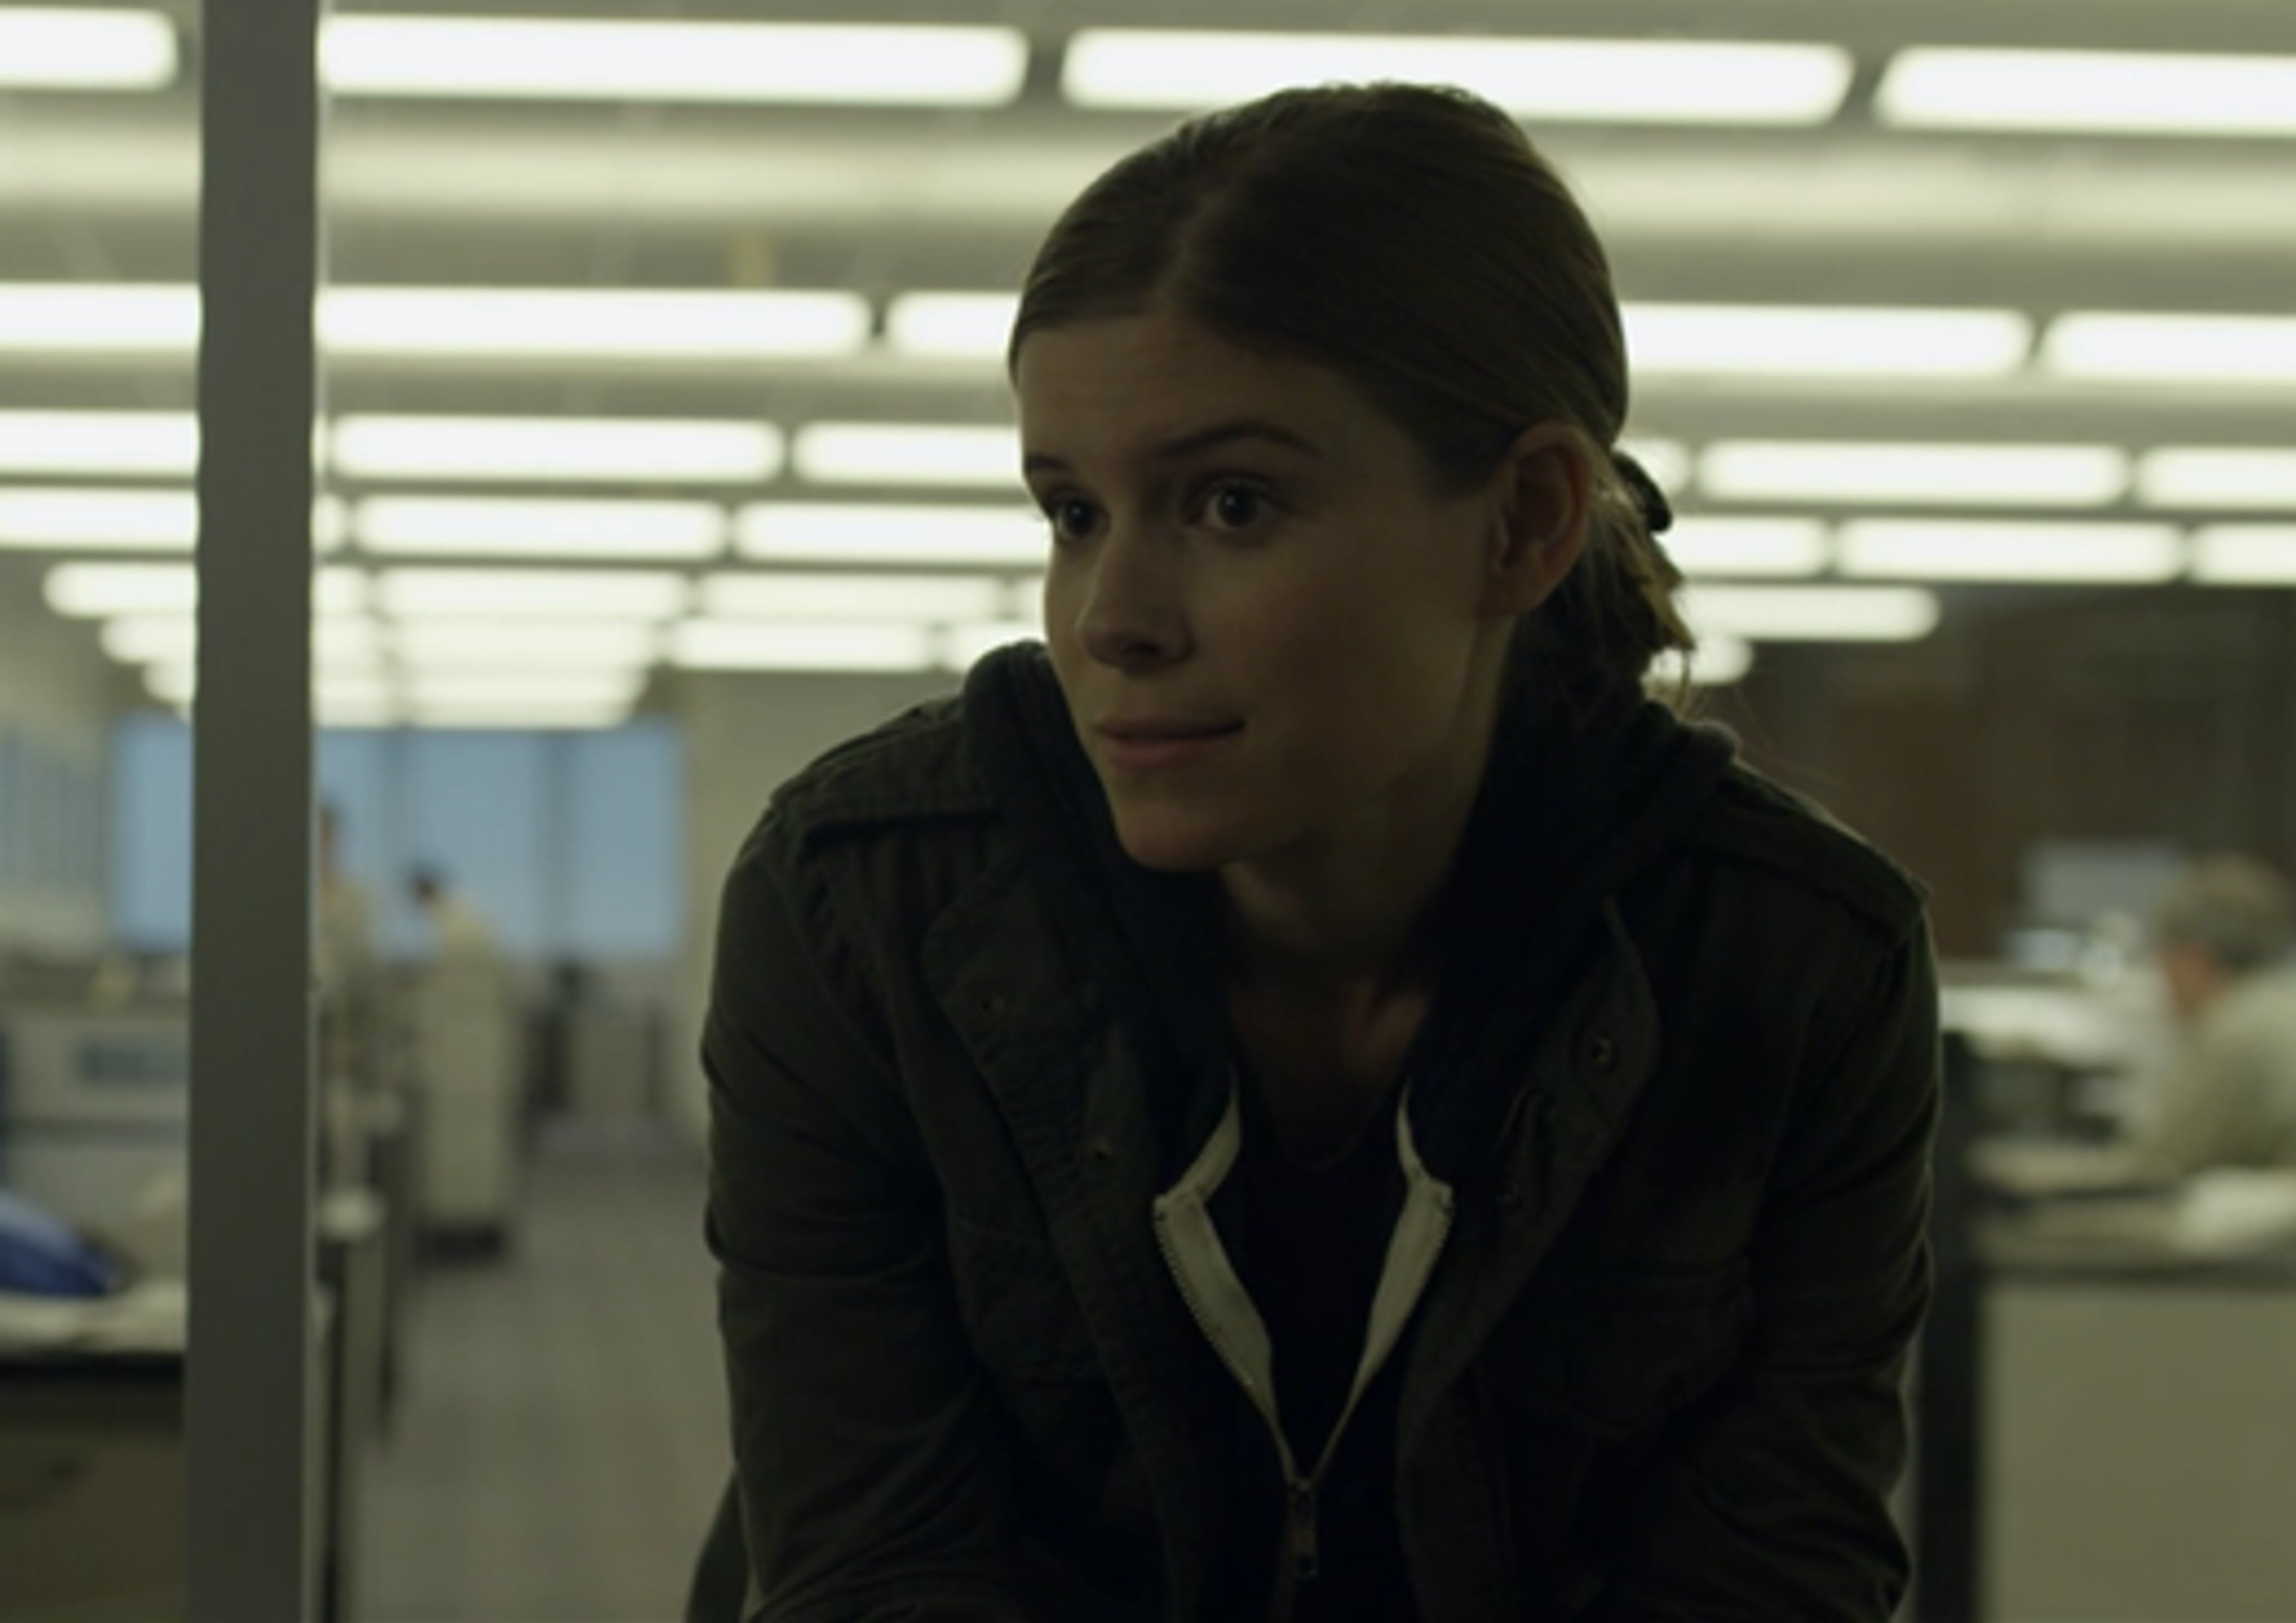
(1309, 1095)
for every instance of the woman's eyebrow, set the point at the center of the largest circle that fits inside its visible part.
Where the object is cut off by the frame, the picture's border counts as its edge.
(1196, 440)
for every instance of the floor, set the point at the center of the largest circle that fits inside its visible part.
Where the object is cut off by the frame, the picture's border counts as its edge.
(560, 1440)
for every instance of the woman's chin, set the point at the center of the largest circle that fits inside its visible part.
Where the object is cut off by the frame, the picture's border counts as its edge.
(1164, 843)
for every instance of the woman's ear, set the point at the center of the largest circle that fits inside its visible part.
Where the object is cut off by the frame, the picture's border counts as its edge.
(1541, 493)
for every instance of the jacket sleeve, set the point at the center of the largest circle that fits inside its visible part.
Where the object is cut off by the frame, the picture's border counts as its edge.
(1772, 1497)
(869, 1456)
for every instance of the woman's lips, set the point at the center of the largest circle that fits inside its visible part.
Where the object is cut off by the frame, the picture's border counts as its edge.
(1148, 746)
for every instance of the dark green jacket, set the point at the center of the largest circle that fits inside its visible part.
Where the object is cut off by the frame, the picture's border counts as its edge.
(1680, 1086)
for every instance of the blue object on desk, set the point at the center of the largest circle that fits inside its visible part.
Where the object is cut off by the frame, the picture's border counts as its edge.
(40, 1257)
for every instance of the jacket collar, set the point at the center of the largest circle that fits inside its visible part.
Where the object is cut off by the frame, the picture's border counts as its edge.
(1567, 814)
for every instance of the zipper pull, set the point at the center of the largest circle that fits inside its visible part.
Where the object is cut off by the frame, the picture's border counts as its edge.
(1305, 1562)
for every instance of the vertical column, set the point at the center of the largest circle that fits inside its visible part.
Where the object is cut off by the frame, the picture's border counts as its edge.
(252, 1407)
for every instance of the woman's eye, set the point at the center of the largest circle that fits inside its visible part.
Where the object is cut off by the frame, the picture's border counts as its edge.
(1236, 506)
(1071, 521)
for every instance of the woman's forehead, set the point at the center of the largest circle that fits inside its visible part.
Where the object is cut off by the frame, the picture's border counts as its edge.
(1140, 385)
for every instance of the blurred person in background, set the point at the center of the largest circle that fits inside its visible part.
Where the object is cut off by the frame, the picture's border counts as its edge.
(1309, 1095)
(459, 932)
(2225, 939)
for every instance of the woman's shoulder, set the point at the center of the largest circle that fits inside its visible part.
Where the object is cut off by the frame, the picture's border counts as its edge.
(1776, 837)
(916, 767)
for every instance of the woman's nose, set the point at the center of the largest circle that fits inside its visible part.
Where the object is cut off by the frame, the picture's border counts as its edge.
(1134, 615)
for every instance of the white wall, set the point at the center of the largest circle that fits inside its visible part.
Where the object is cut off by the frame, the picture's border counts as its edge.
(55, 688)
(745, 735)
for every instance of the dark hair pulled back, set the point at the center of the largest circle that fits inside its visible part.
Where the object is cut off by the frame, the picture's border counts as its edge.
(1411, 238)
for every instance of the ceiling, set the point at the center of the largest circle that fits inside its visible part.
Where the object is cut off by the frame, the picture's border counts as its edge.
(100, 188)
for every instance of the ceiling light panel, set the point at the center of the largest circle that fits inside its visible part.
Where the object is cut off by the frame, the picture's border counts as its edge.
(2245, 555)
(2090, 93)
(577, 323)
(537, 59)
(1835, 342)
(1927, 475)
(52, 48)
(557, 450)
(1572, 81)
(908, 454)
(951, 326)
(128, 444)
(2211, 477)
(339, 644)
(121, 319)
(890, 598)
(55, 520)
(2040, 553)
(1811, 614)
(622, 595)
(2173, 349)
(501, 526)
(979, 537)
(573, 687)
(538, 714)
(450, 645)
(1781, 548)
(100, 590)
(750, 645)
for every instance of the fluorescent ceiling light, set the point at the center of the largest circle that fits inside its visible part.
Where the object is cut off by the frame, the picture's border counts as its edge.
(498, 527)
(794, 532)
(339, 644)
(156, 443)
(57, 520)
(891, 599)
(593, 687)
(2245, 555)
(447, 644)
(638, 324)
(951, 326)
(752, 645)
(908, 454)
(1787, 341)
(2200, 476)
(45, 48)
(2174, 348)
(1909, 550)
(100, 590)
(1942, 475)
(1719, 662)
(176, 681)
(571, 450)
(534, 59)
(2090, 93)
(961, 647)
(66, 318)
(1812, 614)
(1704, 545)
(1566, 80)
(577, 714)
(624, 594)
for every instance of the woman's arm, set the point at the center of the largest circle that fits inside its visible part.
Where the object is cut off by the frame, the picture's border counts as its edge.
(870, 1456)
(1772, 1499)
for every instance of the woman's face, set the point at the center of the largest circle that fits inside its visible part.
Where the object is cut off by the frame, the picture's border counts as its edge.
(1268, 625)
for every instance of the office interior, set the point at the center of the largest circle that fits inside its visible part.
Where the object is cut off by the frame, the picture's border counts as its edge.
(664, 442)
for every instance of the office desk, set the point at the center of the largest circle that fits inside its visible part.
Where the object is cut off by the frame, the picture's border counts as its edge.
(91, 1462)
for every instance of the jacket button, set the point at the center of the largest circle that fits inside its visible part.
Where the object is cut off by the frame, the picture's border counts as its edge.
(991, 1005)
(1103, 1151)
(1602, 1053)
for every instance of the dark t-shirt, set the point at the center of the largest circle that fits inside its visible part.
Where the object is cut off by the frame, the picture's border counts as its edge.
(1309, 1243)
